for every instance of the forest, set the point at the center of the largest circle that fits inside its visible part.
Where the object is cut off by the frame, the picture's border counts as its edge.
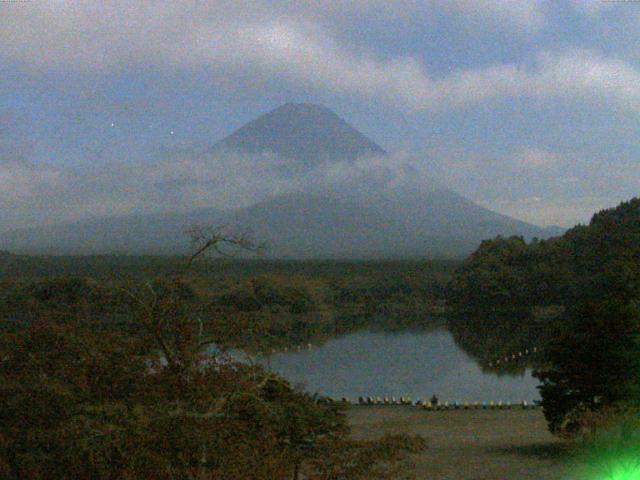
(286, 303)
(577, 297)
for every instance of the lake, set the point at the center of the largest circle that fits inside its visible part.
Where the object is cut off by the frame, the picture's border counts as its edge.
(409, 363)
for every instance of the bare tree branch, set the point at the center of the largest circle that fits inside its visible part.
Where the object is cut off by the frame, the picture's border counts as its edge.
(222, 241)
(151, 323)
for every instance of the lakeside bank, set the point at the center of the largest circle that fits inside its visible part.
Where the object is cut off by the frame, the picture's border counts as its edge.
(472, 444)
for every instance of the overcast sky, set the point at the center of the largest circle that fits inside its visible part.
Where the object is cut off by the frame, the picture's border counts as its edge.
(528, 107)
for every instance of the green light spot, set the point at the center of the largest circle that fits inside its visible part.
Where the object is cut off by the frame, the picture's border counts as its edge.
(622, 469)
(625, 473)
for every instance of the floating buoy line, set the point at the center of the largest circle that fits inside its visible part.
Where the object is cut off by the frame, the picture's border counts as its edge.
(513, 357)
(439, 406)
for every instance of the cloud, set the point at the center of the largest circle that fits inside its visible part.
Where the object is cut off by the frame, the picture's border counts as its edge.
(535, 158)
(525, 170)
(284, 50)
(33, 194)
(514, 15)
(553, 211)
(94, 35)
(593, 8)
(536, 184)
(301, 45)
(570, 74)
(526, 14)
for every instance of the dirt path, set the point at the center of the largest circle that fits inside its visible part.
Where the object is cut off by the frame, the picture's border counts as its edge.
(472, 445)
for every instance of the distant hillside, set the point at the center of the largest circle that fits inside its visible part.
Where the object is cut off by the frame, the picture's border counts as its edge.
(373, 212)
(509, 273)
(440, 223)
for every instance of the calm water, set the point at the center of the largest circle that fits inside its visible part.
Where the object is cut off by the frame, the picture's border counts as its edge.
(417, 364)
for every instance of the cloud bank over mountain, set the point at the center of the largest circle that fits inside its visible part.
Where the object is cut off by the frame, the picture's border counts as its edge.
(32, 195)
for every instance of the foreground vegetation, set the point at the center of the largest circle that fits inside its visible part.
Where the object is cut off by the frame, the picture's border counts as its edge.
(118, 380)
(124, 374)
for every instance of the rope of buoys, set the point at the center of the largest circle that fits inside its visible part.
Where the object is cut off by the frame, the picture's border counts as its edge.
(430, 406)
(513, 356)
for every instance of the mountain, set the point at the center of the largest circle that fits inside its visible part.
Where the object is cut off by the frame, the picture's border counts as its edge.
(347, 198)
(301, 134)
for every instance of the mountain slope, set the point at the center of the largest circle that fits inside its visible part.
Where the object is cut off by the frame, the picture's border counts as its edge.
(303, 135)
(439, 223)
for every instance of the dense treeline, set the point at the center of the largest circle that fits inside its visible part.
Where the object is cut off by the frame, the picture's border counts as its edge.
(132, 266)
(284, 303)
(504, 296)
(578, 296)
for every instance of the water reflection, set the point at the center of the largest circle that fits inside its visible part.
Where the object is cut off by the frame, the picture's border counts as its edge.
(412, 363)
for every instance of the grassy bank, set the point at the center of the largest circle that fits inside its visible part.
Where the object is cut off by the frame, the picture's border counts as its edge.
(472, 445)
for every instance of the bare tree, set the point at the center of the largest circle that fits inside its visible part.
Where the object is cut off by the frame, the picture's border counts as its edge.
(221, 240)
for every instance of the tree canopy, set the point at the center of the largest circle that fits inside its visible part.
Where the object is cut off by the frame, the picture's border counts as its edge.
(590, 279)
